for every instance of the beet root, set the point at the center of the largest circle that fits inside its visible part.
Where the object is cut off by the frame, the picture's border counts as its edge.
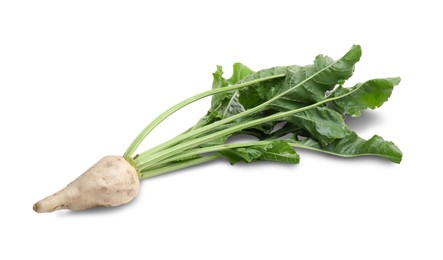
(110, 182)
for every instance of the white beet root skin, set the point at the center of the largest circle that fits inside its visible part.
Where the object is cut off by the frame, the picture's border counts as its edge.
(110, 182)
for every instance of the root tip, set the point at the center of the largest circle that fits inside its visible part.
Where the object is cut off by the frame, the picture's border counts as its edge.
(37, 207)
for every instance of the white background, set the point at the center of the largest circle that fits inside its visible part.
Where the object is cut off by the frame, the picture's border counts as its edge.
(79, 80)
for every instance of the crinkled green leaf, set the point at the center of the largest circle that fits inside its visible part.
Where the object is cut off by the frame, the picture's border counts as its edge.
(281, 151)
(288, 130)
(322, 123)
(371, 94)
(323, 76)
(258, 93)
(239, 72)
(277, 151)
(352, 145)
(218, 82)
(224, 104)
(309, 83)
(227, 104)
(286, 104)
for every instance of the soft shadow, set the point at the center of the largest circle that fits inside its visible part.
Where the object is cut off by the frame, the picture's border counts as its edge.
(365, 121)
(281, 165)
(322, 156)
(98, 210)
(103, 210)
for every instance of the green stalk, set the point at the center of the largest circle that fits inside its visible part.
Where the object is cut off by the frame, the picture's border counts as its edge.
(214, 148)
(143, 163)
(139, 139)
(204, 129)
(177, 166)
(164, 168)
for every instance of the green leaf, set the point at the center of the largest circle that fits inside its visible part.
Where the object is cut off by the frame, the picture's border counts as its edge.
(239, 72)
(321, 123)
(258, 93)
(225, 104)
(371, 94)
(218, 82)
(281, 151)
(230, 105)
(302, 86)
(352, 145)
(277, 151)
(288, 128)
(325, 74)
(286, 104)
(307, 84)
(310, 101)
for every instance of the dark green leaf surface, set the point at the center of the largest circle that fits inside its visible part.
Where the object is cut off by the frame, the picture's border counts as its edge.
(239, 72)
(218, 82)
(371, 94)
(257, 94)
(352, 145)
(307, 84)
(225, 104)
(277, 151)
(320, 77)
(321, 123)
(285, 107)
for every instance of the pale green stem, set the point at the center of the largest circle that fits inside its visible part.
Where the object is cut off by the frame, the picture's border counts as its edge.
(206, 158)
(178, 166)
(139, 139)
(161, 155)
(204, 150)
(207, 128)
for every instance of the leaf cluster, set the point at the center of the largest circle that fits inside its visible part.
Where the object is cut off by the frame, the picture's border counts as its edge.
(321, 127)
(283, 108)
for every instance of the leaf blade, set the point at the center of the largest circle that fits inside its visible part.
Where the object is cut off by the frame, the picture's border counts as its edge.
(368, 95)
(353, 146)
(322, 123)
(277, 151)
